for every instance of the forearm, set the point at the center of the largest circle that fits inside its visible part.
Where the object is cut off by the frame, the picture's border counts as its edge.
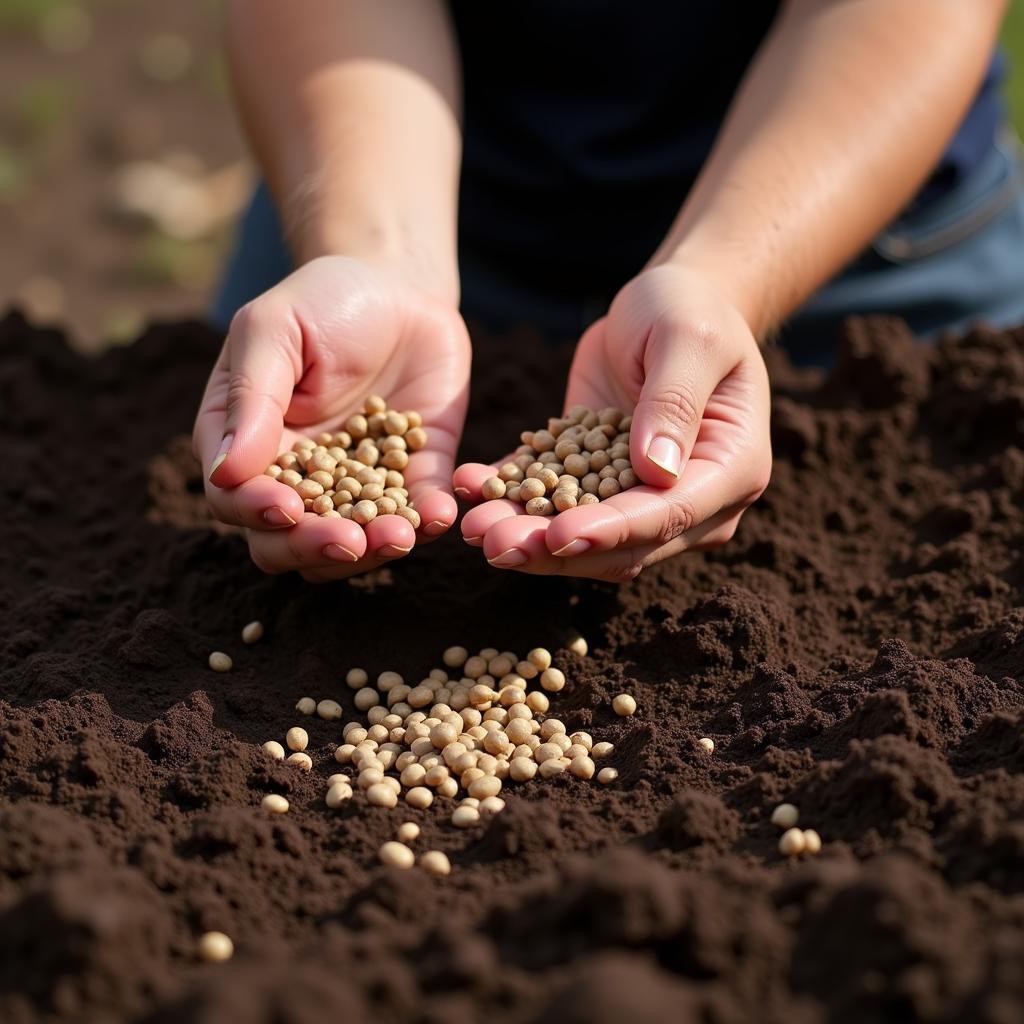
(351, 107)
(842, 115)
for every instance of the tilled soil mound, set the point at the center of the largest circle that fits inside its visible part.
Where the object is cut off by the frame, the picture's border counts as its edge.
(858, 649)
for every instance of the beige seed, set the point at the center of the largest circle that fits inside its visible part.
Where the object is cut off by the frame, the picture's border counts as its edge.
(707, 744)
(582, 767)
(490, 806)
(329, 710)
(552, 679)
(603, 749)
(220, 662)
(215, 948)
(363, 512)
(812, 842)
(455, 657)
(408, 832)
(624, 705)
(366, 698)
(522, 769)
(489, 785)
(300, 760)
(252, 632)
(274, 803)
(434, 862)
(305, 706)
(547, 752)
(493, 488)
(552, 767)
(577, 645)
(537, 702)
(448, 788)
(343, 753)
(396, 855)
(606, 776)
(357, 678)
(381, 795)
(297, 738)
(338, 794)
(792, 842)
(416, 438)
(274, 749)
(785, 816)
(539, 507)
(465, 817)
(530, 488)
(419, 797)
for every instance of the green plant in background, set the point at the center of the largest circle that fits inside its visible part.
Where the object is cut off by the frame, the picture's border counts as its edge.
(1013, 43)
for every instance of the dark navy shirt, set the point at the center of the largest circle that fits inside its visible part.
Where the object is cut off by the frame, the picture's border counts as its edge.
(587, 121)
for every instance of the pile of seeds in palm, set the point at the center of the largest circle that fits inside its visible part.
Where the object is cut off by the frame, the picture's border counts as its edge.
(356, 473)
(464, 730)
(578, 460)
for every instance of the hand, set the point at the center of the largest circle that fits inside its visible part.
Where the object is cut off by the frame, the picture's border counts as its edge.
(699, 442)
(306, 354)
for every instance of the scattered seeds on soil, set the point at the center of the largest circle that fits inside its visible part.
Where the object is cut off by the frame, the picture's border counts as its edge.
(812, 842)
(252, 632)
(329, 710)
(396, 855)
(220, 662)
(408, 832)
(792, 842)
(707, 744)
(274, 749)
(305, 706)
(606, 776)
(274, 803)
(297, 738)
(434, 862)
(215, 947)
(624, 705)
(785, 816)
(300, 759)
(338, 794)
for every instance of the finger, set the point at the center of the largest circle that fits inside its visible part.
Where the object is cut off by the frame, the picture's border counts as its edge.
(682, 367)
(429, 479)
(469, 480)
(517, 542)
(263, 365)
(315, 542)
(389, 537)
(260, 503)
(643, 515)
(438, 512)
(478, 520)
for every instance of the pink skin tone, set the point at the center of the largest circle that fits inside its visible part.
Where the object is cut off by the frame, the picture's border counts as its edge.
(301, 359)
(699, 440)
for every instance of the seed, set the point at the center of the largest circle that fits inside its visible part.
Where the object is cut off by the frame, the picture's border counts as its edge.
(490, 806)
(443, 734)
(274, 749)
(357, 678)
(381, 795)
(338, 794)
(582, 767)
(487, 786)
(297, 738)
(792, 842)
(448, 788)
(607, 775)
(408, 832)
(493, 488)
(552, 767)
(305, 706)
(215, 947)
(252, 632)
(364, 512)
(522, 769)
(455, 657)
(552, 679)
(599, 750)
(396, 855)
(434, 862)
(547, 752)
(300, 760)
(540, 658)
(366, 698)
(329, 710)
(812, 842)
(785, 816)
(465, 817)
(220, 662)
(419, 797)
(577, 645)
(623, 705)
(706, 744)
(537, 702)
(274, 803)
(539, 507)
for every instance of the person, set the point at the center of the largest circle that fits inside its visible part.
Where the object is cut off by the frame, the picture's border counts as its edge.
(675, 181)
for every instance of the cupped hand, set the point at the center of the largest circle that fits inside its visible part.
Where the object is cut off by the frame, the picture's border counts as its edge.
(300, 359)
(684, 357)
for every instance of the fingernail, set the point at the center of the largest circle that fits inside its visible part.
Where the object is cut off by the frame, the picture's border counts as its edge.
(664, 452)
(276, 516)
(462, 493)
(339, 554)
(435, 528)
(474, 541)
(222, 454)
(508, 559)
(574, 547)
(392, 551)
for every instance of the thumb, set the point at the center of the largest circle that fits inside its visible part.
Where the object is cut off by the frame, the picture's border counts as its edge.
(263, 367)
(679, 378)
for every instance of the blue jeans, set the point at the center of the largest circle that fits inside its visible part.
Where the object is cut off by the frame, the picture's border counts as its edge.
(956, 261)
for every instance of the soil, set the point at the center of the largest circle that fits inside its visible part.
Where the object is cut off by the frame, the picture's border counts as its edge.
(858, 649)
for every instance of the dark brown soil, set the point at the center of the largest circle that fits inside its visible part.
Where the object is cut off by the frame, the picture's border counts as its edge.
(858, 649)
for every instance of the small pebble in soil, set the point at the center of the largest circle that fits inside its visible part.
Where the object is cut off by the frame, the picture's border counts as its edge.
(624, 705)
(297, 738)
(252, 632)
(434, 862)
(577, 459)
(305, 706)
(275, 803)
(356, 472)
(215, 947)
(792, 842)
(274, 749)
(396, 855)
(707, 744)
(408, 832)
(785, 816)
(220, 662)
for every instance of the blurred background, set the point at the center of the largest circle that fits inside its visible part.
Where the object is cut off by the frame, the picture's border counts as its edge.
(121, 166)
